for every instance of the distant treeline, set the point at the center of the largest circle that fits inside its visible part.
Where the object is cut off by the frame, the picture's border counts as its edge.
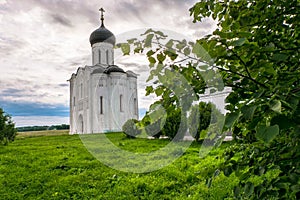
(43, 128)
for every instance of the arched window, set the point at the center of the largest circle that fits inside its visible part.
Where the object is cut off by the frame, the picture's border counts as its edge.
(101, 105)
(121, 103)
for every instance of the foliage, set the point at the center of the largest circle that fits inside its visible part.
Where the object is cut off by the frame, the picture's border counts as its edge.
(153, 128)
(130, 128)
(172, 127)
(256, 48)
(208, 114)
(256, 51)
(163, 120)
(43, 128)
(154, 120)
(7, 128)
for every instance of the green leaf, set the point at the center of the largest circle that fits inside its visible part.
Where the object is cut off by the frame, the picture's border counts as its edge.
(181, 44)
(276, 106)
(125, 48)
(282, 121)
(201, 53)
(171, 53)
(230, 119)
(149, 90)
(248, 111)
(249, 188)
(150, 53)
(187, 51)
(159, 91)
(151, 59)
(267, 133)
(148, 41)
(131, 41)
(279, 57)
(236, 191)
(269, 69)
(244, 34)
(295, 188)
(169, 44)
(138, 50)
(161, 57)
(239, 42)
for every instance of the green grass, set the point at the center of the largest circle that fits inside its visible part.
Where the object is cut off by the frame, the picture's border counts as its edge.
(53, 165)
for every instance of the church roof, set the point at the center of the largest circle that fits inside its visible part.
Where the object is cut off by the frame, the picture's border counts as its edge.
(113, 68)
(99, 70)
(131, 74)
(107, 70)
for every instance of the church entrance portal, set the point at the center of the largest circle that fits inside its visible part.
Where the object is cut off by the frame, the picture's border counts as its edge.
(80, 124)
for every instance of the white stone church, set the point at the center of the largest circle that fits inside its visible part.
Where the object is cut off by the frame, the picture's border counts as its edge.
(102, 96)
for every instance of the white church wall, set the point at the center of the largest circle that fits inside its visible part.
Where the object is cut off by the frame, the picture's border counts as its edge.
(133, 98)
(119, 101)
(72, 130)
(117, 96)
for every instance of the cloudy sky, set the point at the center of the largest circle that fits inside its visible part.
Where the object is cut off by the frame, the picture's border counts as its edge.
(42, 42)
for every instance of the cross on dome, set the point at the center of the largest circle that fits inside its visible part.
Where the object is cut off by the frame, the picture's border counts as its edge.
(102, 16)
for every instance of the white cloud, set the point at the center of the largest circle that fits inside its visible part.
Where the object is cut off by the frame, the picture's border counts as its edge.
(43, 42)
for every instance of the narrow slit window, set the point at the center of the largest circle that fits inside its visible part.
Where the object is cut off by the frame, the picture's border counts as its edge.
(94, 59)
(101, 104)
(99, 56)
(121, 103)
(107, 61)
(74, 102)
(81, 90)
(135, 106)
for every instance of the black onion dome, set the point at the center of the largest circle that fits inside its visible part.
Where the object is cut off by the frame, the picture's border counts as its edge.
(113, 68)
(102, 35)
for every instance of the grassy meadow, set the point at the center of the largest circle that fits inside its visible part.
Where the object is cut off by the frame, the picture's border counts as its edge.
(55, 165)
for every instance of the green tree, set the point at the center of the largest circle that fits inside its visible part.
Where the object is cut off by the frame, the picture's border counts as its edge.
(154, 120)
(256, 50)
(164, 119)
(7, 128)
(130, 128)
(208, 114)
